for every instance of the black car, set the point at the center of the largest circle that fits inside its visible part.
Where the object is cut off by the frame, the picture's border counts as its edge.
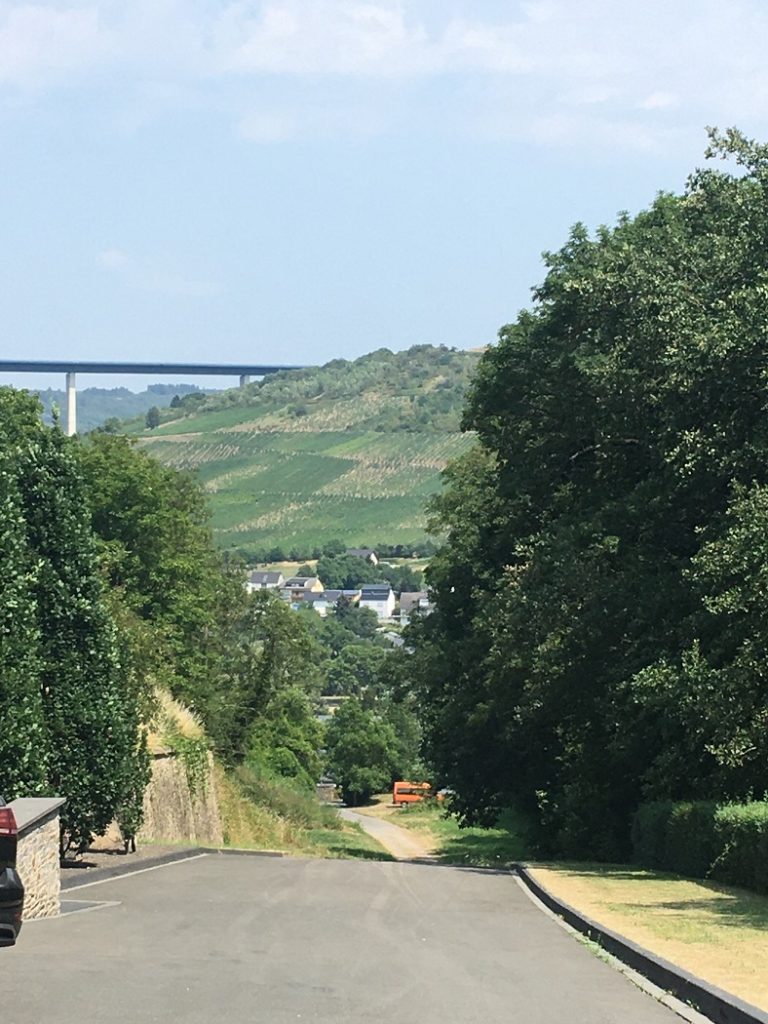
(11, 889)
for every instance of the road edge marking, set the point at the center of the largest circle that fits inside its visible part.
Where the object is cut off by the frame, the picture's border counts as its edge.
(137, 871)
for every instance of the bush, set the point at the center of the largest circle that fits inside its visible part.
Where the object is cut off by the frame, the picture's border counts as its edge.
(287, 798)
(726, 842)
(742, 834)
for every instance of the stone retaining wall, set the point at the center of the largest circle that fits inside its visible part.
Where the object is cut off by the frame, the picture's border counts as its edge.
(37, 857)
(173, 813)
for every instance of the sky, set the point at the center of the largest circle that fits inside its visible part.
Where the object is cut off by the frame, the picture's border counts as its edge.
(301, 180)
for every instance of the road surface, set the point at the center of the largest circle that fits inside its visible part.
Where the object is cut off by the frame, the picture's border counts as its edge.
(234, 939)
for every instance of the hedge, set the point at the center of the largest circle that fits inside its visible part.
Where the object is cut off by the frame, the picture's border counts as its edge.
(702, 839)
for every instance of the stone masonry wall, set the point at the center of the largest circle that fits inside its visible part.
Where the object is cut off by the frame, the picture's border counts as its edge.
(37, 861)
(172, 813)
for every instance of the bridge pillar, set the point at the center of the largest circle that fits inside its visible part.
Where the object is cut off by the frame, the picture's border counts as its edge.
(244, 379)
(71, 404)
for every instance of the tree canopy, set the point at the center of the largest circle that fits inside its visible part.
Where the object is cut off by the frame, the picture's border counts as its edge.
(600, 628)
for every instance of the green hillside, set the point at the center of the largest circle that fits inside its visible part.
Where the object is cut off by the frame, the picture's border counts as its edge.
(349, 450)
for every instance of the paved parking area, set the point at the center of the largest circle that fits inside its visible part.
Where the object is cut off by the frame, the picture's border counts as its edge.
(249, 939)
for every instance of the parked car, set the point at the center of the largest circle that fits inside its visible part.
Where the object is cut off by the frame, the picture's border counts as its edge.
(11, 889)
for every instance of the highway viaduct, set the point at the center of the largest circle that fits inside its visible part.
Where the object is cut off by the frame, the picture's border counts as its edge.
(243, 371)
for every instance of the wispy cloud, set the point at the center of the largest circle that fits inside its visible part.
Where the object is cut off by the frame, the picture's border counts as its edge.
(112, 259)
(146, 276)
(650, 67)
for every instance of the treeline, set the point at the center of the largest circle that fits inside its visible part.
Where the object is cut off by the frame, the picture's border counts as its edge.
(277, 553)
(601, 633)
(399, 376)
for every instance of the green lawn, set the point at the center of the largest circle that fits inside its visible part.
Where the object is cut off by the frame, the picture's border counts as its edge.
(348, 842)
(478, 847)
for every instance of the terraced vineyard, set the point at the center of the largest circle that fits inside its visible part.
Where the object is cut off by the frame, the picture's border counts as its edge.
(296, 476)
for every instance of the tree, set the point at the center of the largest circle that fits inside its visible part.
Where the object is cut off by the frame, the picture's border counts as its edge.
(346, 572)
(23, 739)
(355, 671)
(153, 523)
(598, 633)
(286, 738)
(89, 734)
(362, 752)
(152, 418)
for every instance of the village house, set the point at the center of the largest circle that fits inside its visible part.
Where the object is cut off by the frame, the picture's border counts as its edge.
(416, 601)
(297, 588)
(327, 599)
(367, 554)
(379, 598)
(260, 580)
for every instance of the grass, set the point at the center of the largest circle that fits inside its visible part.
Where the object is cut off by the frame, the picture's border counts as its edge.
(477, 847)
(347, 842)
(263, 814)
(716, 932)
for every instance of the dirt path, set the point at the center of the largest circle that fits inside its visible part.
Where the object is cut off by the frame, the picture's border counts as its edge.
(401, 843)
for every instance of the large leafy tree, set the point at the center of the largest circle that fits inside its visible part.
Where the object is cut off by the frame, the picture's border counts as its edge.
(78, 732)
(23, 738)
(598, 636)
(362, 751)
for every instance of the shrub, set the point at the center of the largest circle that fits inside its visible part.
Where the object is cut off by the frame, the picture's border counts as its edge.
(742, 840)
(726, 842)
(287, 798)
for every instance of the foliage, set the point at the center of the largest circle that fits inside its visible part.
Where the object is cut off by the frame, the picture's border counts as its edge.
(727, 842)
(291, 801)
(153, 523)
(106, 408)
(346, 572)
(78, 730)
(23, 746)
(361, 752)
(287, 738)
(152, 419)
(600, 632)
(355, 671)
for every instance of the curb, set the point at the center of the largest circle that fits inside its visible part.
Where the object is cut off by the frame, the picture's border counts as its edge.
(88, 875)
(720, 1006)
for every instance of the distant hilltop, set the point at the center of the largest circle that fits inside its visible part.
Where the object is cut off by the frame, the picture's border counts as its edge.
(349, 450)
(97, 406)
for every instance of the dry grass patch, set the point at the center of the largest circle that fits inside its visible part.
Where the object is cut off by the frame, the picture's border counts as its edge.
(171, 716)
(716, 932)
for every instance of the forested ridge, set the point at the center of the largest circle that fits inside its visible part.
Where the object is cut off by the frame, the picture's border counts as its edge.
(601, 631)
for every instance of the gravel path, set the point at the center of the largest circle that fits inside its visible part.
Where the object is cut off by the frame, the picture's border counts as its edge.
(401, 843)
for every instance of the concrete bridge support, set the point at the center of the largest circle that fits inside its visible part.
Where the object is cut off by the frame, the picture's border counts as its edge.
(71, 404)
(244, 379)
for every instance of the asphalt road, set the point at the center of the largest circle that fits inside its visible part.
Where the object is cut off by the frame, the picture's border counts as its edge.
(227, 939)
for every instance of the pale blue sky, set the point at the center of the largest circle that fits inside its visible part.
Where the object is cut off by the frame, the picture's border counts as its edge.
(296, 180)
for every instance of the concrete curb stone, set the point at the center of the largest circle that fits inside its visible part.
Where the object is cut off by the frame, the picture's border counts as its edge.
(717, 1004)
